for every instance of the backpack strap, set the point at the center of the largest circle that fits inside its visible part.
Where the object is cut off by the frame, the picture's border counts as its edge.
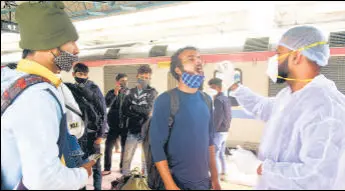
(17, 88)
(62, 130)
(207, 100)
(74, 111)
(174, 105)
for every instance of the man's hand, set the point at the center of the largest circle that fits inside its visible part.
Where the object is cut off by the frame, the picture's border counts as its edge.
(216, 185)
(117, 89)
(172, 188)
(88, 167)
(164, 171)
(98, 141)
(259, 170)
(213, 168)
(233, 87)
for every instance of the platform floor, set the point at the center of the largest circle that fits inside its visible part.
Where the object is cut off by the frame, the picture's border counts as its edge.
(136, 163)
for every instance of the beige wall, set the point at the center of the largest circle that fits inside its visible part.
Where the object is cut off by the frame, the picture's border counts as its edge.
(245, 130)
(96, 74)
(159, 78)
(254, 76)
(67, 77)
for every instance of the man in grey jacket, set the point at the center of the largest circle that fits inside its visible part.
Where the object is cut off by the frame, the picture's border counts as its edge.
(221, 123)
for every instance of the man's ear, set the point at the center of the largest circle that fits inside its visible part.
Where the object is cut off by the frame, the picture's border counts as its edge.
(73, 74)
(296, 57)
(178, 71)
(55, 51)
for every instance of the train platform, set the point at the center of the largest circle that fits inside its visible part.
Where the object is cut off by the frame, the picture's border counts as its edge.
(106, 184)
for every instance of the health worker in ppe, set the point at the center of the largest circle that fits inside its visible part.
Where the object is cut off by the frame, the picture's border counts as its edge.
(303, 144)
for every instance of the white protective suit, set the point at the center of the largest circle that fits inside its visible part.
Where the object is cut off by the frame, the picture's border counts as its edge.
(303, 144)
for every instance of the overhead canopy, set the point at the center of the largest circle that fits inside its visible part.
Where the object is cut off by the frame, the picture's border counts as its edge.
(201, 23)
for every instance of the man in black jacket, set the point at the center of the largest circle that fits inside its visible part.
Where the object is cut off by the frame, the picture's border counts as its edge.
(114, 100)
(137, 107)
(95, 128)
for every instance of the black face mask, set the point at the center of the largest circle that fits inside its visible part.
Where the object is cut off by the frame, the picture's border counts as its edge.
(123, 85)
(283, 71)
(80, 80)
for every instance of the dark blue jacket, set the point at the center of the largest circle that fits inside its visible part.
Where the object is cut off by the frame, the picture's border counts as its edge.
(222, 113)
(99, 101)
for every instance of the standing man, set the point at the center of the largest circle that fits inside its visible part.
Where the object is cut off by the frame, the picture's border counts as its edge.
(303, 145)
(95, 126)
(137, 108)
(221, 124)
(184, 151)
(114, 100)
(34, 136)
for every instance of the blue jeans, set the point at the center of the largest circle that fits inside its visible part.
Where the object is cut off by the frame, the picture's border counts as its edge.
(220, 144)
(131, 146)
(89, 147)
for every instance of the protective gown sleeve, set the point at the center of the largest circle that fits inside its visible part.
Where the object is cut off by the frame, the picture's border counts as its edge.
(257, 105)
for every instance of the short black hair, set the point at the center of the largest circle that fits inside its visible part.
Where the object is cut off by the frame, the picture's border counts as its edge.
(120, 75)
(215, 81)
(27, 52)
(80, 67)
(144, 69)
(176, 62)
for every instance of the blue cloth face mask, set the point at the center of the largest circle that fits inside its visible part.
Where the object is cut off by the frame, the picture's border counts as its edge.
(192, 81)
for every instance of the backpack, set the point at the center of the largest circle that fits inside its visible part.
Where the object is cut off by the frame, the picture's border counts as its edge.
(91, 117)
(73, 156)
(133, 181)
(74, 116)
(153, 177)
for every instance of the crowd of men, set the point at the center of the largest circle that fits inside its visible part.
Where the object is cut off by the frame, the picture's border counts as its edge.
(51, 131)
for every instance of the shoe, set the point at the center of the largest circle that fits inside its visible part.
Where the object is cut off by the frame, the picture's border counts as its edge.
(106, 173)
(117, 151)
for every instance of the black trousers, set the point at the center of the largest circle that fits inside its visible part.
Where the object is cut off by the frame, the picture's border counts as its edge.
(110, 143)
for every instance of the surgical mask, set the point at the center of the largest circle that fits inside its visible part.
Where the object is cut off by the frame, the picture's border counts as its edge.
(192, 81)
(143, 83)
(80, 80)
(65, 60)
(279, 72)
(213, 92)
(272, 69)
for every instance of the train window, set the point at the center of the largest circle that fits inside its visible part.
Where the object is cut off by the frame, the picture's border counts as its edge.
(237, 78)
(237, 75)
